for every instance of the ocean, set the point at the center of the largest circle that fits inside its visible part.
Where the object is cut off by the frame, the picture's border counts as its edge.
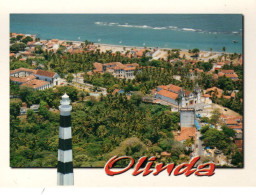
(181, 31)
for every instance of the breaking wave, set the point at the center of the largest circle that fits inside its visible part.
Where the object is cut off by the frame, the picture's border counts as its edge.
(174, 28)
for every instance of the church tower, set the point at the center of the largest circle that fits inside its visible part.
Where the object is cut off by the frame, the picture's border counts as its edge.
(65, 163)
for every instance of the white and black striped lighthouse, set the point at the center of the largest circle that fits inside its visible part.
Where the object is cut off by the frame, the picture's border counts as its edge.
(65, 164)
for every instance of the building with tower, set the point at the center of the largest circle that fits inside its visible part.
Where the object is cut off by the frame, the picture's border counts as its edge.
(177, 96)
(65, 175)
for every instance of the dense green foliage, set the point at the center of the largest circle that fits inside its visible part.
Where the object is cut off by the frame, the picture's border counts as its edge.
(101, 129)
(222, 140)
(16, 47)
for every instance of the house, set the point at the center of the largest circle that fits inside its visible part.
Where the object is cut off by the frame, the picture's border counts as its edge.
(140, 53)
(35, 79)
(23, 110)
(51, 77)
(239, 144)
(186, 133)
(117, 69)
(36, 84)
(233, 122)
(21, 80)
(22, 72)
(178, 96)
(35, 107)
(230, 74)
(98, 67)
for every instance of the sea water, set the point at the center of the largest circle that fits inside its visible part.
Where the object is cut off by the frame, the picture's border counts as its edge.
(182, 31)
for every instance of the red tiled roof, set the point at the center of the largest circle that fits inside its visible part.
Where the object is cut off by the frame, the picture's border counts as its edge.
(168, 94)
(140, 52)
(186, 133)
(231, 75)
(114, 63)
(165, 87)
(226, 96)
(98, 67)
(22, 79)
(174, 88)
(45, 73)
(230, 121)
(236, 127)
(233, 94)
(239, 143)
(23, 70)
(186, 92)
(129, 68)
(228, 71)
(220, 74)
(34, 84)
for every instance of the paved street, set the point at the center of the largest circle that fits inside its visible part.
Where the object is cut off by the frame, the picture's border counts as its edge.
(199, 148)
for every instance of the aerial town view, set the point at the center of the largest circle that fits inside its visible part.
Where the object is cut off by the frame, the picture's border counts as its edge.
(169, 86)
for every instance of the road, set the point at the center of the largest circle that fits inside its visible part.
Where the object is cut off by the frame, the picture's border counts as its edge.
(199, 149)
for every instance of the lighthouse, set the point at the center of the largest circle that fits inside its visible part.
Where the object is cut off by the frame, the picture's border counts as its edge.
(65, 164)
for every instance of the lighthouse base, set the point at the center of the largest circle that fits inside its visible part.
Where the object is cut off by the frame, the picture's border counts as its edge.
(65, 179)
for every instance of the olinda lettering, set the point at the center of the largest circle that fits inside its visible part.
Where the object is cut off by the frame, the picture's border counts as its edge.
(188, 169)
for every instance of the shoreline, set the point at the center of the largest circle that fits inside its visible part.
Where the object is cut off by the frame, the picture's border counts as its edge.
(138, 47)
(129, 47)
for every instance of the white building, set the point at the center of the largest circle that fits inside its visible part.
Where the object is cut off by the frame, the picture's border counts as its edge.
(35, 79)
(51, 77)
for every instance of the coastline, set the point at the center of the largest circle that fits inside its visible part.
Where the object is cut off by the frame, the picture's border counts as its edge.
(142, 47)
(104, 47)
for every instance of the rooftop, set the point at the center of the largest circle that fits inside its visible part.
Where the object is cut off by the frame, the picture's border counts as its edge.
(228, 71)
(22, 79)
(34, 84)
(45, 73)
(168, 94)
(23, 70)
(186, 133)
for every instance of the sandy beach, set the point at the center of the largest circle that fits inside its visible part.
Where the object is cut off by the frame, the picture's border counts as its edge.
(163, 52)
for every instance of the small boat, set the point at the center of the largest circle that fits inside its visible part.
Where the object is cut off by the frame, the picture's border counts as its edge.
(235, 41)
